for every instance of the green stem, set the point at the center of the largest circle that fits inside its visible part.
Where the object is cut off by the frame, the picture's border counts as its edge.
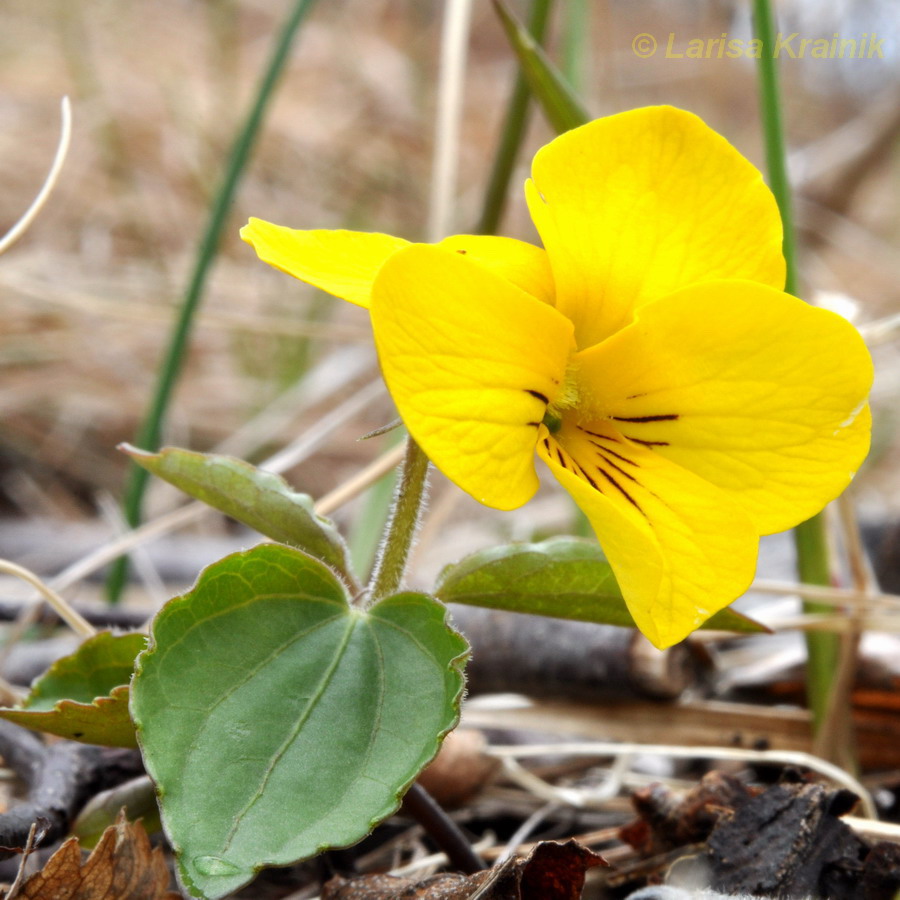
(409, 499)
(148, 436)
(576, 42)
(773, 129)
(517, 114)
(813, 565)
(823, 647)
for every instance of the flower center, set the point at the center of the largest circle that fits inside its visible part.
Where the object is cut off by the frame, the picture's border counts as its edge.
(552, 421)
(566, 398)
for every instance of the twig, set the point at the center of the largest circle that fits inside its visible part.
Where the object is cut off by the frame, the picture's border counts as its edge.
(354, 486)
(838, 623)
(454, 42)
(62, 608)
(539, 788)
(881, 330)
(442, 830)
(836, 730)
(824, 594)
(60, 777)
(65, 137)
(137, 311)
(500, 870)
(432, 861)
(784, 757)
(436, 860)
(523, 832)
(589, 839)
(20, 874)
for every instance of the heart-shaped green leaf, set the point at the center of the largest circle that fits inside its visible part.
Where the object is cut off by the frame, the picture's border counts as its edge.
(565, 577)
(260, 499)
(84, 696)
(277, 720)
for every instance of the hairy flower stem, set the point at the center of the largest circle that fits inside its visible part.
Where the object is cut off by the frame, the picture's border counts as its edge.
(409, 498)
(810, 537)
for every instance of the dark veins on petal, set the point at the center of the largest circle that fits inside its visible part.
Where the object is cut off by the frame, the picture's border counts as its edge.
(599, 466)
(668, 417)
(615, 440)
(538, 395)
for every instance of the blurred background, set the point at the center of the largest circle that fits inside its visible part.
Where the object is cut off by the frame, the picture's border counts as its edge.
(159, 90)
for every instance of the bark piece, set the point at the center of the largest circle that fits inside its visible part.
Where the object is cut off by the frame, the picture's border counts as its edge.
(699, 723)
(546, 657)
(789, 842)
(779, 843)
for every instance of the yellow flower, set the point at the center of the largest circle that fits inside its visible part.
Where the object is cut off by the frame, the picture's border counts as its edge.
(647, 354)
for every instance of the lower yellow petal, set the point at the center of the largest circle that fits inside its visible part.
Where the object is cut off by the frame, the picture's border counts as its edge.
(525, 265)
(680, 548)
(472, 363)
(344, 263)
(747, 387)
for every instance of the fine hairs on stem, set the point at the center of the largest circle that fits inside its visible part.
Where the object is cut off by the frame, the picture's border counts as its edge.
(403, 523)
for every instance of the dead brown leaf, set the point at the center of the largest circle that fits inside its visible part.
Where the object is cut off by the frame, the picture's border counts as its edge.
(121, 865)
(551, 872)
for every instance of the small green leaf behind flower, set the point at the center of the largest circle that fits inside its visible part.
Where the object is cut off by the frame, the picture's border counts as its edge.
(565, 577)
(260, 499)
(277, 720)
(84, 696)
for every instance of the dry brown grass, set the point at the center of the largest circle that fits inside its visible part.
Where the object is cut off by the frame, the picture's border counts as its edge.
(158, 91)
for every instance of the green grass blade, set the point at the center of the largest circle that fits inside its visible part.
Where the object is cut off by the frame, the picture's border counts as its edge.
(514, 125)
(561, 107)
(810, 538)
(149, 433)
(576, 43)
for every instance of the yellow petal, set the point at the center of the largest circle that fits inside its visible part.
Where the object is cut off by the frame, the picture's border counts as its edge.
(637, 205)
(471, 362)
(680, 548)
(748, 387)
(344, 263)
(525, 265)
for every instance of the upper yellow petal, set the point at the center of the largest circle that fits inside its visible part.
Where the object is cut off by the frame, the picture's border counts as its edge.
(344, 263)
(472, 362)
(525, 265)
(748, 387)
(635, 206)
(680, 548)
